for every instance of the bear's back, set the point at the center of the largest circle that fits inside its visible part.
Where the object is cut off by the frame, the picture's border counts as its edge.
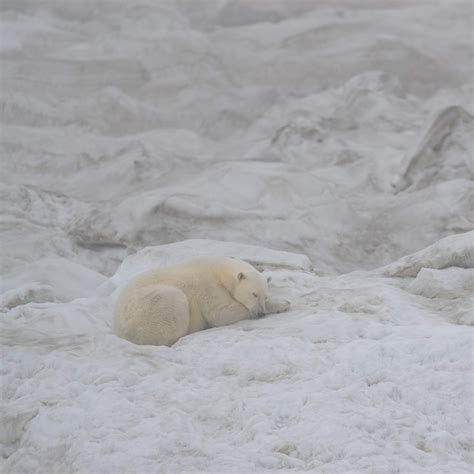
(198, 269)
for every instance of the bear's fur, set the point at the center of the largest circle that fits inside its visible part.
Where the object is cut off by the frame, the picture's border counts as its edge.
(159, 307)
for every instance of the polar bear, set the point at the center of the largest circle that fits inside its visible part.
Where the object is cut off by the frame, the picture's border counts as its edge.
(160, 306)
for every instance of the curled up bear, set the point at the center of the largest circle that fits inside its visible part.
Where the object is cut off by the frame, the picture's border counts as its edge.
(161, 306)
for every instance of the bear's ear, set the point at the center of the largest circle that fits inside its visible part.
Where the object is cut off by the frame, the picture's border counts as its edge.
(269, 279)
(240, 276)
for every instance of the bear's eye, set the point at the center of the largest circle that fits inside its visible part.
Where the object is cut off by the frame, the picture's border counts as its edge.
(255, 294)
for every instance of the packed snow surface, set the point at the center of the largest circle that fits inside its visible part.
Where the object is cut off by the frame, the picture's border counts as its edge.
(362, 374)
(328, 143)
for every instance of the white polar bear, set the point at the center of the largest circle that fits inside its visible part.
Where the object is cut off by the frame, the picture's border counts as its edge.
(159, 307)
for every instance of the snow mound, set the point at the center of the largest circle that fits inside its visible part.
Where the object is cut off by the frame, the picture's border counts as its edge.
(443, 275)
(444, 151)
(171, 254)
(451, 292)
(452, 251)
(48, 279)
(448, 283)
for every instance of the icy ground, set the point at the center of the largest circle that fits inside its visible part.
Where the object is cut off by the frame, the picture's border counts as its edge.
(365, 374)
(328, 142)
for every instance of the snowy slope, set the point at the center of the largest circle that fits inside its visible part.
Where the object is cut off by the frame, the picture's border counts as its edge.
(340, 130)
(326, 142)
(363, 374)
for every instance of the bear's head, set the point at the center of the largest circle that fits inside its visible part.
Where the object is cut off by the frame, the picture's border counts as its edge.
(251, 290)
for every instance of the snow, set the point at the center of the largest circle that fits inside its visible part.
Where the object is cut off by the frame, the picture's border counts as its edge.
(359, 375)
(327, 143)
(60, 279)
(450, 282)
(452, 251)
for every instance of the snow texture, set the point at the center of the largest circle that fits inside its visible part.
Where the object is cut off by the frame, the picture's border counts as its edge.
(328, 143)
(452, 251)
(360, 375)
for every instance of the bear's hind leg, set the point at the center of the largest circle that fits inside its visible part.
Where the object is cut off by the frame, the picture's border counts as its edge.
(164, 316)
